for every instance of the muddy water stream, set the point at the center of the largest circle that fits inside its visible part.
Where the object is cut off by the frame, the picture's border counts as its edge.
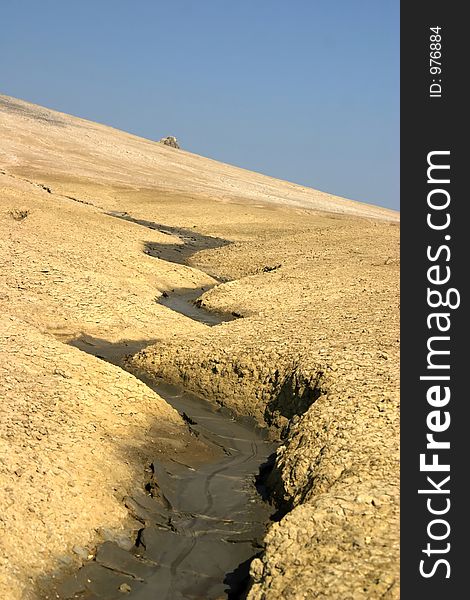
(201, 524)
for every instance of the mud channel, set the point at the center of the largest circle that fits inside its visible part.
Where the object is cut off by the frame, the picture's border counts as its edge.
(201, 523)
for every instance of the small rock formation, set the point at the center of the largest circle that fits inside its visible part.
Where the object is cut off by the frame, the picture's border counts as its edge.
(18, 214)
(170, 140)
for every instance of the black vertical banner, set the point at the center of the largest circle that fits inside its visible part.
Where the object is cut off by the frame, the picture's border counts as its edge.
(435, 434)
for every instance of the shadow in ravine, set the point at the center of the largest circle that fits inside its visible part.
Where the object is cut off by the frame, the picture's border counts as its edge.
(202, 522)
(191, 240)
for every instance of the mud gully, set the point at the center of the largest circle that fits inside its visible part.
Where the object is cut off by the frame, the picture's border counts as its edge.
(201, 523)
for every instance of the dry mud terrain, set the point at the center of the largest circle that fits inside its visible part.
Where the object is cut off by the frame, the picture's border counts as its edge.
(275, 301)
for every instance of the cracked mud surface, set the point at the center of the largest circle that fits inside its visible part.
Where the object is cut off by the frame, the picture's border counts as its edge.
(315, 356)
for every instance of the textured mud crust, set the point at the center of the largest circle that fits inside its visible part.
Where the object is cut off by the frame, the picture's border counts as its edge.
(273, 394)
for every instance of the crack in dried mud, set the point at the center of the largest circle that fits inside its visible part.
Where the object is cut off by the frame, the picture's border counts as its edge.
(48, 189)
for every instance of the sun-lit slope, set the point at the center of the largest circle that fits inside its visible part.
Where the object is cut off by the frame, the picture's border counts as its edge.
(58, 144)
(316, 354)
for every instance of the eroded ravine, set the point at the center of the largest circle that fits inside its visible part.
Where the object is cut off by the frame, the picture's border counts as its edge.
(201, 523)
(182, 300)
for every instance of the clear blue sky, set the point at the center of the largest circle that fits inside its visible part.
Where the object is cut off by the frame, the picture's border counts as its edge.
(304, 90)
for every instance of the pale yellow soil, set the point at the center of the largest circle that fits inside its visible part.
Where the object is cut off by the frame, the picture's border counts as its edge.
(77, 432)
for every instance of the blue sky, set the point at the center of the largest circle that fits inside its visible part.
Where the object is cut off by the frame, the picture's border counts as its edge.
(305, 90)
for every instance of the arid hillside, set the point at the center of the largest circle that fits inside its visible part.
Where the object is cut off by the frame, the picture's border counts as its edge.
(107, 240)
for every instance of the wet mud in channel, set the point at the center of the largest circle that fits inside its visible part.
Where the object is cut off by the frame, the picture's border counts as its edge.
(201, 525)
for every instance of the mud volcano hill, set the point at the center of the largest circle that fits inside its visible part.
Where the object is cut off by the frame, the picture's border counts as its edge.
(125, 261)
